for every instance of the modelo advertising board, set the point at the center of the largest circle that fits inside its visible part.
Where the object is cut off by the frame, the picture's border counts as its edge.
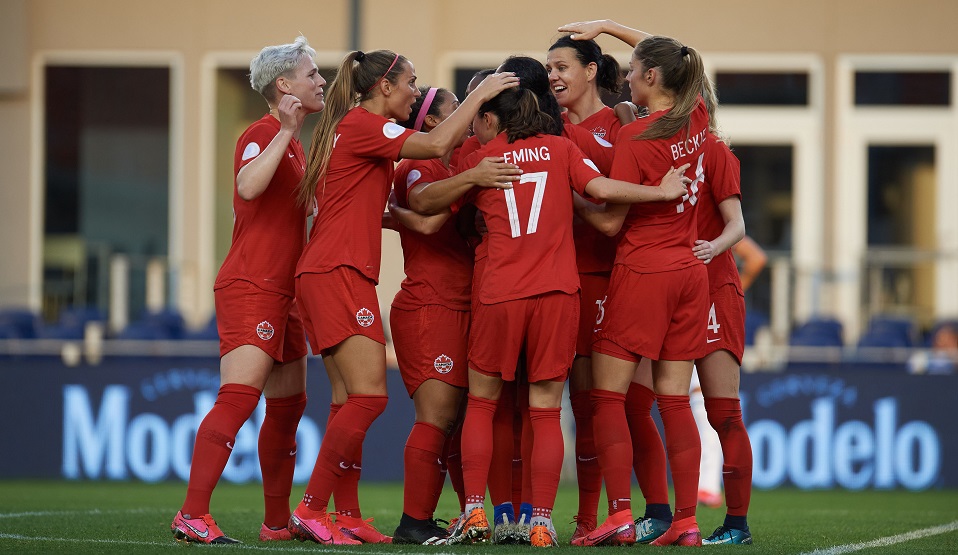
(136, 418)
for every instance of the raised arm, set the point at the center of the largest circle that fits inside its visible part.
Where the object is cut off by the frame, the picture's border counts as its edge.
(753, 259)
(585, 30)
(253, 178)
(733, 232)
(442, 138)
(432, 198)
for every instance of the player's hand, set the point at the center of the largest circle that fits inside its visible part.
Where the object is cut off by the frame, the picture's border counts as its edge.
(392, 203)
(291, 113)
(703, 250)
(493, 171)
(675, 185)
(494, 84)
(584, 30)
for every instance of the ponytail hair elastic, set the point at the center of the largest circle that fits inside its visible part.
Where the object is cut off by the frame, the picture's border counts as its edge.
(685, 51)
(424, 109)
(360, 55)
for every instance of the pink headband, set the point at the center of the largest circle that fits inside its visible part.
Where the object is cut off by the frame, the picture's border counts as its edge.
(396, 59)
(424, 109)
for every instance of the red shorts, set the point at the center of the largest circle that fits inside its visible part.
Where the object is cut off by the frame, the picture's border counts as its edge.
(658, 316)
(248, 315)
(539, 325)
(338, 304)
(430, 344)
(726, 323)
(593, 288)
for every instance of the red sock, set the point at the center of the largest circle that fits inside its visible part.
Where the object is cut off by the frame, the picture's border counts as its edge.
(421, 470)
(214, 443)
(547, 453)
(454, 466)
(684, 449)
(648, 453)
(500, 468)
(725, 416)
(613, 446)
(277, 455)
(346, 491)
(477, 452)
(337, 453)
(524, 446)
(588, 473)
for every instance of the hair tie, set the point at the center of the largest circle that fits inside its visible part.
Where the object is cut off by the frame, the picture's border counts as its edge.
(390, 68)
(424, 109)
(685, 51)
(360, 55)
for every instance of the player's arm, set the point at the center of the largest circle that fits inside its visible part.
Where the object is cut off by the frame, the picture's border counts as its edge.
(427, 225)
(607, 218)
(434, 197)
(627, 112)
(753, 259)
(253, 178)
(442, 138)
(733, 232)
(585, 30)
(673, 186)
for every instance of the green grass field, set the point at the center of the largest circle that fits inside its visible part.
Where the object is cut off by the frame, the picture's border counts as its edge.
(110, 517)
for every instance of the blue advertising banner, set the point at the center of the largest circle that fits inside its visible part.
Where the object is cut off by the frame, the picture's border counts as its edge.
(135, 418)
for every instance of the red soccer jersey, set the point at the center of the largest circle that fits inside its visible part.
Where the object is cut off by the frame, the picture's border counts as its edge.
(594, 251)
(658, 236)
(722, 181)
(530, 226)
(471, 145)
(438, 266)
(604, 124)
(351, 198)
(269, 231)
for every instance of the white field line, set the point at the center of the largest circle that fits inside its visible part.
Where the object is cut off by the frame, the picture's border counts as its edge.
(886, 541)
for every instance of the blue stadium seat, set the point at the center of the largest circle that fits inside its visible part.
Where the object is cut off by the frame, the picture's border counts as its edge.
(72, 322)
(24, 322)
(888, 338)
(169, 321)
(818, 332)
(887, 325)
(206, 333)
(754, 321)
(145, 330)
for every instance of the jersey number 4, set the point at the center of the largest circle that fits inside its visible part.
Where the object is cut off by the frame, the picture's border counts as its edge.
(693, 193)
(539, 178)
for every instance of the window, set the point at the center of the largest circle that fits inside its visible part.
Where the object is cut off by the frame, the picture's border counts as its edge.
(762, 89)
(107, 179)
(902, 88)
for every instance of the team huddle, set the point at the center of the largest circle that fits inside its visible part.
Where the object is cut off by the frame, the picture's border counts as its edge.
(546, 238)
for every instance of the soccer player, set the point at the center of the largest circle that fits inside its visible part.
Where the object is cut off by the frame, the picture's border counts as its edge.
(577, 71)
(657, 276)
(429, 320)
(262, 341)
(528, 292)
(348, 176)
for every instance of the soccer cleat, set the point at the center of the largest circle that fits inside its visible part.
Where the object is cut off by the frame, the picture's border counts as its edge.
(362, 530)
(618, 529)
(648, 529)
(582, 528)
(267, 534)
(452, 523)
(728, 535)
(419, 532)
(683, 532)
(198, 530)
(471, 529)
(317, 526)
(542, 536)
(710, 499)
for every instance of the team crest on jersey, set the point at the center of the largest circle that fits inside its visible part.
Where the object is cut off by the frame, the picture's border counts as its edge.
(265, 330)
(600, 132)
(443, 364)
(365, 317)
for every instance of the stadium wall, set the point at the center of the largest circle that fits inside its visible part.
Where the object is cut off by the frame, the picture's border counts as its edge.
(134, 418)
